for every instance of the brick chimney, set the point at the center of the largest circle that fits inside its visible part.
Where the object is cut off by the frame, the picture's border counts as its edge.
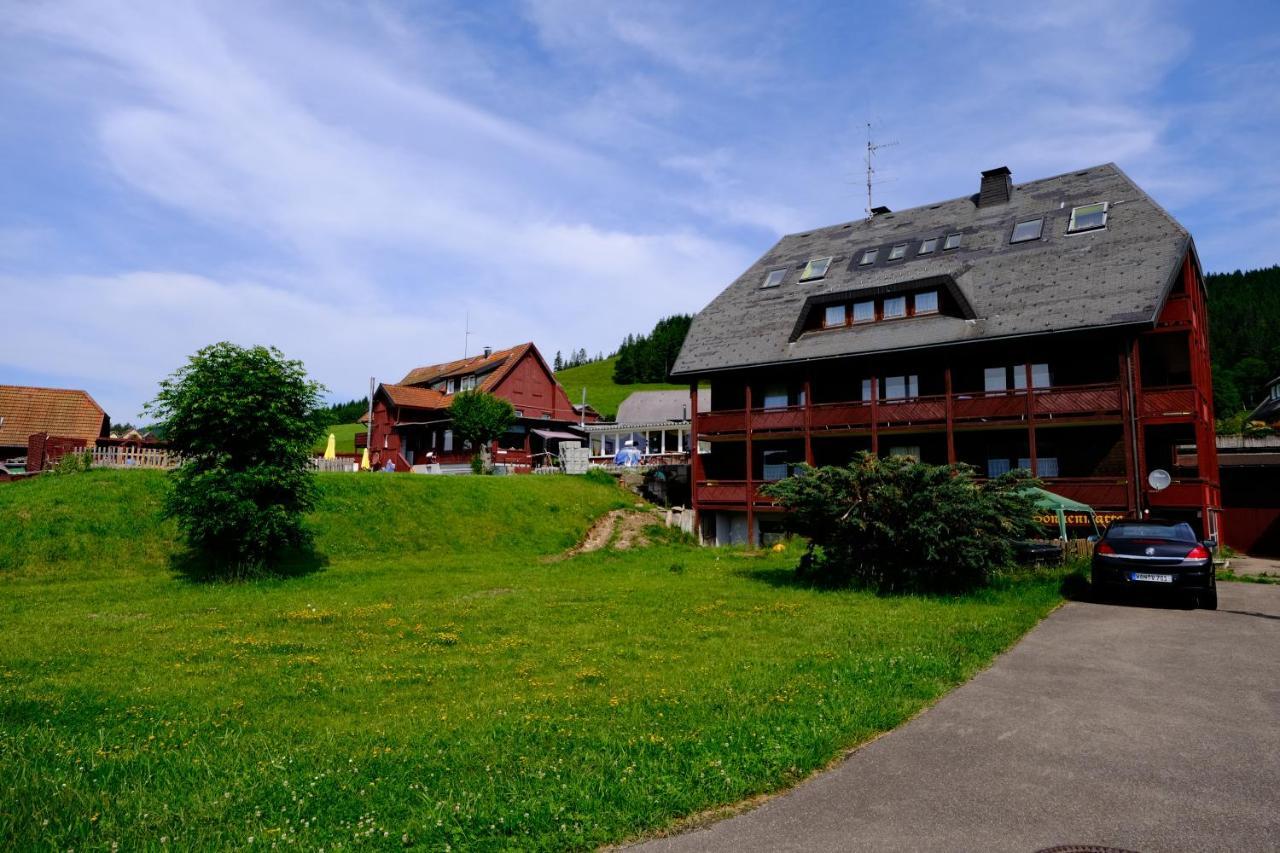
(997, 187)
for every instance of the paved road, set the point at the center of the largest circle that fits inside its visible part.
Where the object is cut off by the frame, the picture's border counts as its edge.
(1135, 727)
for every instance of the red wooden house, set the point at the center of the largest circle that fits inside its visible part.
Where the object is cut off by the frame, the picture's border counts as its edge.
(412, 425)
(1057, 326)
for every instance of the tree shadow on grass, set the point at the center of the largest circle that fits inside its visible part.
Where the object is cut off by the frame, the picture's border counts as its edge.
(196, 567)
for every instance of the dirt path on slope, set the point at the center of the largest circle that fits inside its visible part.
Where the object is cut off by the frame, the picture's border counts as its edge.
(619, 529)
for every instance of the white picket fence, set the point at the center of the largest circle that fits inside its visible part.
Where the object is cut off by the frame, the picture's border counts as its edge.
(345, 466)
(133, 457)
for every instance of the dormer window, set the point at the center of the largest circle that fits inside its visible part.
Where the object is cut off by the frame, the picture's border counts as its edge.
(1088, 217)
(898, 252)
(468, 383)
(927, 247)
(1028, 229)
(815, 269)
(868, 257)
(895, 306)
(865, 312)
(926, 302)
(952, 242)
(834, 316)
(773, 278)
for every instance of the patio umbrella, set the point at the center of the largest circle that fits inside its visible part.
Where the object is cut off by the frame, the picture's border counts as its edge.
(330, 450)
(364, 460)
(1055, 506)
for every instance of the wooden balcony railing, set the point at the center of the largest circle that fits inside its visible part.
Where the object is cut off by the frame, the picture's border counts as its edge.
(1101, 400)
(1098, 492)
(1169, 402)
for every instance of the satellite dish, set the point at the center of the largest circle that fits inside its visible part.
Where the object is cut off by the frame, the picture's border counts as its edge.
(1159, 479)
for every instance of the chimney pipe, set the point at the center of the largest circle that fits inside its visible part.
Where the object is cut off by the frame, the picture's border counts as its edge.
(488, 351)
(879, 211)
(996, 188)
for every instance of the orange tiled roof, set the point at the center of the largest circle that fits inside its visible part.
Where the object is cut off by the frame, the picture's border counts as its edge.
(57, 411)
(504, 359)
(416, 398)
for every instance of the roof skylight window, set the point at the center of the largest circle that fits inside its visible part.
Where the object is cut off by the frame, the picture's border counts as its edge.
(1088, 217)
(774, 278)
(952, 242)
(868, 257)
(815, 269)
(927, 246)
(1028, 229)
(898, 252)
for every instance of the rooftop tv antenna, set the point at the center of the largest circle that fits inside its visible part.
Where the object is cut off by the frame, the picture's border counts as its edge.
(872, 148)
(466, 336)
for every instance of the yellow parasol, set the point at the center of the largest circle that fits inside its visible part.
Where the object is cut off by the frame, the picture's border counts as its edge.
(364, 460)
(330, 450)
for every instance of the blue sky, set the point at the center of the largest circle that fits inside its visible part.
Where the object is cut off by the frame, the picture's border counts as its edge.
(347, 180)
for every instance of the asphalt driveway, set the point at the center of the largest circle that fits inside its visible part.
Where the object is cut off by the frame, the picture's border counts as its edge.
(1134, 727)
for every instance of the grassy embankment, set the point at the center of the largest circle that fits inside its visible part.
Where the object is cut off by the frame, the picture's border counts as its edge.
(438, 682)
(602, 393)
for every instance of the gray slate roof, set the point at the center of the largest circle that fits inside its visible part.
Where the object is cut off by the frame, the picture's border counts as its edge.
(1119, 275)
(651, 407)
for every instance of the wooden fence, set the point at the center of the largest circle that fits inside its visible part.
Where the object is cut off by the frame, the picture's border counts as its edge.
(124, 456)
(345, 466)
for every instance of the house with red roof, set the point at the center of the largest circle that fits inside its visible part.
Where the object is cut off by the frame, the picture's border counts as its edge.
(63, 412)
(412, 425)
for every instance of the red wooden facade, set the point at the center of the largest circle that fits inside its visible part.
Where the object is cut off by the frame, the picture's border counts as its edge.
(412, 425)
(1129, 399)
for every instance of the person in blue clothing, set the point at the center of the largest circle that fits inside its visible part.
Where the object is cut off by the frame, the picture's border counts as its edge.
(628, 456)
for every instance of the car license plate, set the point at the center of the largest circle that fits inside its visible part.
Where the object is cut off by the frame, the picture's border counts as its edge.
(1143, 576)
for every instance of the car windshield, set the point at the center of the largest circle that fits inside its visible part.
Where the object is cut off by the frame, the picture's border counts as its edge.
(1145, 530)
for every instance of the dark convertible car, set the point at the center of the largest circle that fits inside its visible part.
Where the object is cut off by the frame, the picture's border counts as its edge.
(1158, 556)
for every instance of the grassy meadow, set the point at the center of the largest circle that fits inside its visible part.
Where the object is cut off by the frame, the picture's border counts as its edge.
(602, 393)
(344, 438)
(439, 679)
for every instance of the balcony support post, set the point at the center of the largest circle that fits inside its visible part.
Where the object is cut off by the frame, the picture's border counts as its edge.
(1031, 421)
(808, 421)
(1127, 422)
(951, 433)
(1141, 457)
(875, 433)
(751, 489)
(695, 462)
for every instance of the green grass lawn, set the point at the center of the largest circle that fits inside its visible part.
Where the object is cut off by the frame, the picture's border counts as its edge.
(439, 681)
(344, 438)
(601, 392)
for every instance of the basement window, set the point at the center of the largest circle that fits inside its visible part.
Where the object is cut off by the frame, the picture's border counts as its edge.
(868, 257)
(815, 269)
(1088, 217)
(774, 278)
(1026, 230)
(952, 242)
(927, 246)
(898, 252)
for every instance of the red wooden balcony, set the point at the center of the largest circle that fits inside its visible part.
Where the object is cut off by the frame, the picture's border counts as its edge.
(1169, 403)
(1097, 492)
(777, 420)
(1188, 492)
(1075, 401)
(729, 492)
(829, 415)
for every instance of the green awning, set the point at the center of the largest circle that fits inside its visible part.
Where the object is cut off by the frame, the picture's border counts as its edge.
(1046, 499)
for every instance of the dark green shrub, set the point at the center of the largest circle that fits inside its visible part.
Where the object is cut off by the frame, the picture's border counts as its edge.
(898, 525)
(74, 462)
(479, 418)
(244, 422)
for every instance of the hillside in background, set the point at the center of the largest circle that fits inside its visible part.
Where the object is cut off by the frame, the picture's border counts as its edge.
(344, 438)
(1244, 335)
(602, 392)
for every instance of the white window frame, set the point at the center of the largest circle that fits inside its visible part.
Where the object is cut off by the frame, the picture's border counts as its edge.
(810, 271)
(1071, 224)
(931, 243)
(898, 252)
